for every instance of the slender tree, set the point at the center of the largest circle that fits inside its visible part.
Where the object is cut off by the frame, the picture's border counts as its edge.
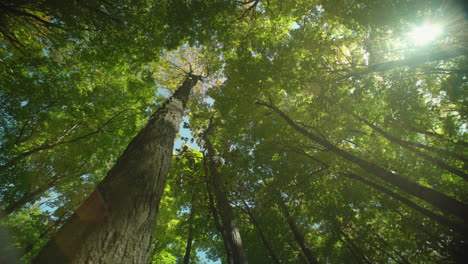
(191, 230)
(298, 236)
(230, 232)
(261, 233)
(441, 201)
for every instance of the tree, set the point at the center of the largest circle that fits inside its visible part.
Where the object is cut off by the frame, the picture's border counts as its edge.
(141, 168)
(221, 206)
(337, 138)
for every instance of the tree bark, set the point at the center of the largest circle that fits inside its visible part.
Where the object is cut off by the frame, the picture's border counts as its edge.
(223, 206)
(117, 221)
(215, 214)
(439, 200)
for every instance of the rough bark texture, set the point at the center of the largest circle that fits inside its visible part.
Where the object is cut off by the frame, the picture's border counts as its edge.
(439, 200)
(116, 223)
(231, 233)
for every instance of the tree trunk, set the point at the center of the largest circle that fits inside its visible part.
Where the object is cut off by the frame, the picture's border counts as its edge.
(439, 200)
(298, 236)
(216, 220)
(223, 206)
(257, 226)
(188, 248)
(26, 198)
(357, 253)
(116, 223)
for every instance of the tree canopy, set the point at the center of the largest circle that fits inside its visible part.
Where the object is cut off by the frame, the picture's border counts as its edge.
(319, 131)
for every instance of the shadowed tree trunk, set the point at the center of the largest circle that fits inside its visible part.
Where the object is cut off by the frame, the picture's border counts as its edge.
(439, 200)
(354, 248)
(257, 226)
(441, 152)
(188, 248)
(116, 223)
(218, 225)
(298, 236)
(231, 232)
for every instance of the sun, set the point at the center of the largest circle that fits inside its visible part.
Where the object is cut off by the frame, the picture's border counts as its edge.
(425, 34)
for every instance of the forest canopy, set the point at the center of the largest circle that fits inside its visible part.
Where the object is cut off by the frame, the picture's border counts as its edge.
(233, 131)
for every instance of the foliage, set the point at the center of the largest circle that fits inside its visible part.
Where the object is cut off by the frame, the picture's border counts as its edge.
(74, 95)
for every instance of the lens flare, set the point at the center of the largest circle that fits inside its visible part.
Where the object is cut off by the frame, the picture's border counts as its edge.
(425, 34)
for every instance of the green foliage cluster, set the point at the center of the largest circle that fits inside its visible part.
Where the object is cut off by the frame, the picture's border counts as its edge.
(78, 83)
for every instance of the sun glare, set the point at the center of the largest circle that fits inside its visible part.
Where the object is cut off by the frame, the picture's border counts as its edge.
(425, 34)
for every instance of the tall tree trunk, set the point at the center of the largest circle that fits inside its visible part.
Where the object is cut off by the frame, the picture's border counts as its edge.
(355, 250)
(257, 226)
(439, 200)
(188, 248)
(298, 236)
(223, 206)
(216, 220)
(116, 223)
